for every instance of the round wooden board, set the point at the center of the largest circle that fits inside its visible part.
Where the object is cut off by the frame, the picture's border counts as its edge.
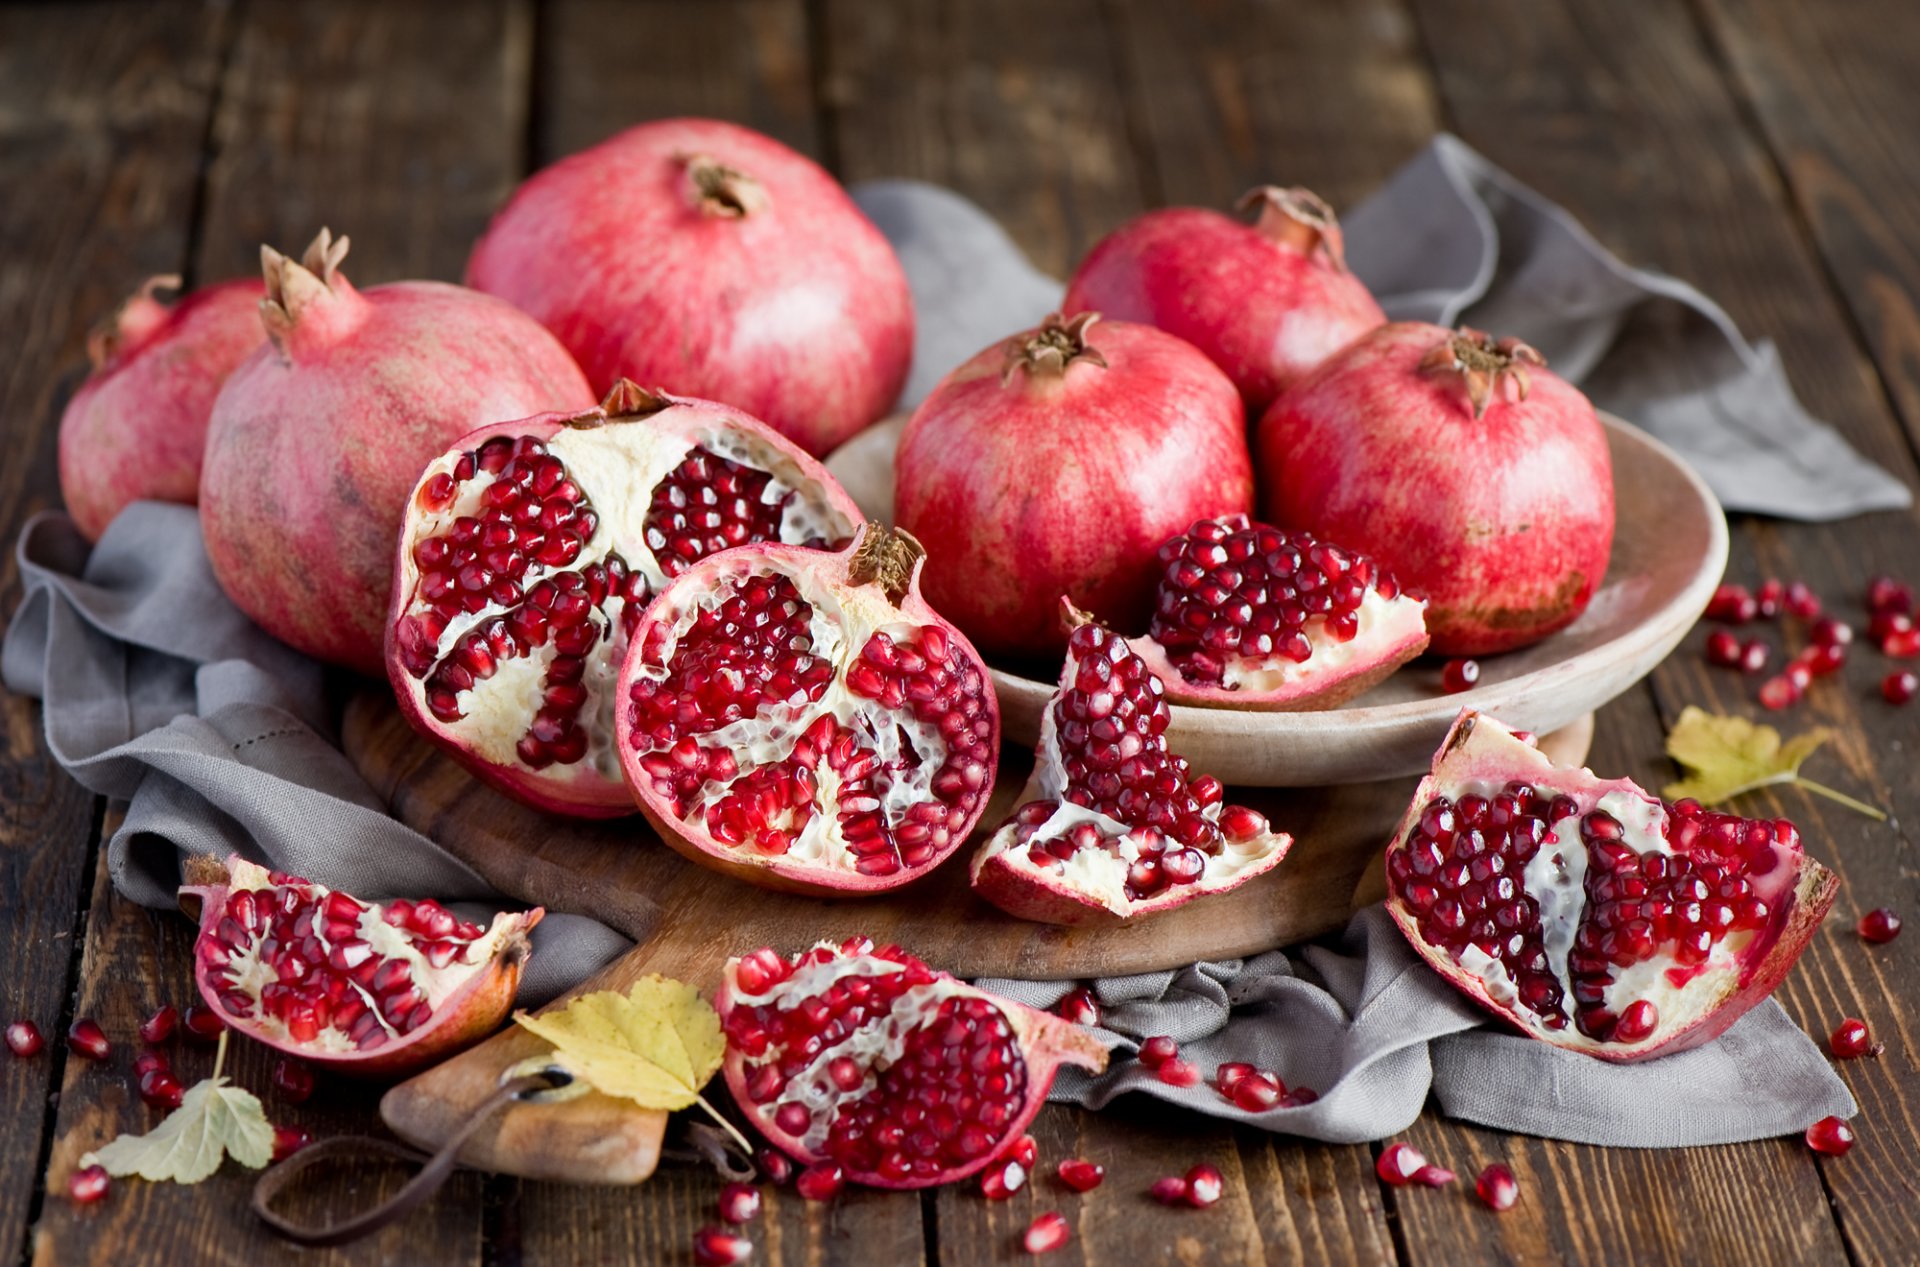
(689, 919)
(1669, 551)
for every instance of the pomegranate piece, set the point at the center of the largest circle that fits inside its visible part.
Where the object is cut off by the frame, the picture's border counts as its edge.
(1900, 686)
(288, 1140)
(1002, 1180)
(1399, 1164)
(159, 1027)
(530, 549)
(1170, 1190)
(1081, 1175)
(1158, 1050)
(822, 1181)
(1732, 605)
(1851, 1039)
(88, 1184)
(1204, 1185)
(804, 721)
(870, 1061)
(160, 1089)
(739, 1203)
(203, 1024)
(1779, 692)
(86, 1038)
(1114, 826)
(1831, 1136)
(1459, 675)
(1250, 616)
(24, 1040)
(1878, 925)
(1046, 1233)
(1585, 912)
(292, 1080)
(717, 1247)
(1080, 1006)
(1497, 1187)
(1178, 1073)
(361, 988)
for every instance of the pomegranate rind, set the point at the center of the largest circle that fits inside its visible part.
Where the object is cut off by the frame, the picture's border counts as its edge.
(591, 788)
(470, 1012)
(1480, 749)
(1379, 651)
(1046, 1042)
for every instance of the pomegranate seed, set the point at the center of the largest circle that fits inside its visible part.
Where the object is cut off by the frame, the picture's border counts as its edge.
(717, 1247)
(1228, 1075)
(159, 1027)
(1398, 1164)
(203, 1024)
(1877, 925)
(1171, 1190)
(1799, 673)
(1299, 1097)
(1256, 1093)
(23, 1039)
(288, 1140)
(739, 1203)
(1754, 656)
(1723, 649)
(1824, 658)
(821, 1181)
(87, 1038)
(1158, 1050)
(1204, 1185)
(293, 1080)
(1079, 1006)
(1802, 601)
(1900, 686)
(1732, 605)
(1902, 644)
(88, 1184)
(1046, 1233)
(1885, 625)
(775, 1165)
(1884, 594)
(1025, 1151)
(1459, 675)
(1179, 1073)
(149, 1059)
(997, 1183)
(1831, 1136)
(159, 1088)
(1082, 1175)
(1433, 1176)
(1830, 632)
(1769, 597)
(1779, 692)
(1851, 1040)
(1497, 1187)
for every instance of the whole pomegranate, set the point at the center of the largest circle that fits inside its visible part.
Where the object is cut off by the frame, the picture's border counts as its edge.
(1266, 302)
(360, 988)
(136, 428)
(868, 1059)
(804, 720)
(1056, 464)
(717, 262)
(318, 437)
(1588, 914)
(1482, 480)
(530, 549)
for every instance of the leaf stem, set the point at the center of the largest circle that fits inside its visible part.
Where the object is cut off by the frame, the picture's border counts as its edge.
(219, 1057)
(725, 1125)
(1821, 789)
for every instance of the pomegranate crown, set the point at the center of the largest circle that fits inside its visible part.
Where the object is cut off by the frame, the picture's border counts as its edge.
(888, 557)
(624, 401)
(724, 191)
(294, 287)
(1491, 369)
(137, 317)
(1049, 350)
(1298, 219)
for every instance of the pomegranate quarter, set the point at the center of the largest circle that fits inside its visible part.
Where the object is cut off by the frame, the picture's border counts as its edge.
(530, 550)
(804, 720)
(1587, 913)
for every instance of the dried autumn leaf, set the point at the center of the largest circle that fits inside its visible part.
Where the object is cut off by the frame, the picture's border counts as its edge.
(214, 1120)
(656, 1045)
(1727, 756)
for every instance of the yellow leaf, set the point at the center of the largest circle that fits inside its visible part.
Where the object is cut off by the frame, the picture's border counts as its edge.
(656, 1045)
(1726, 756)
(214, 1120)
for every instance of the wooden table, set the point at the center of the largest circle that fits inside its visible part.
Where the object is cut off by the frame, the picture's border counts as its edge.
(1764, 150)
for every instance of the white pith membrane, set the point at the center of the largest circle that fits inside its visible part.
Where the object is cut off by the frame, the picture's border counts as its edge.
(617, 465)
(349, 959)
(1556, 878)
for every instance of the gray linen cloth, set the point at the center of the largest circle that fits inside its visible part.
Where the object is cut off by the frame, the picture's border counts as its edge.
(156, 689)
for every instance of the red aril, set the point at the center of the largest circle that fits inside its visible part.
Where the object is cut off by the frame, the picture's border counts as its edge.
(804, 720)
(1899, 686)
(1081, 1006)
(86, 1038)
(1802, 601)
(292, 1080)
(1204, 1185)
(1056, 464)
(1823, 658)
(1024, 1150)
(1399, 1164)
(1732, 605)
(1459, 675)
(288, 1140)
(24, 1040)
(1879, 925)
(714, 261)
(88, 1184)
(1157, 1051)
(1081, 1175)
(1723, 649)
(1901, 644)
(1046, 1233)
(1178, 1073)
(1754, 655)
(159, 1027)
(1828, 631)
(1256, 1092)
(739, 1203)
(1587, 913)
(775, 1165)
(1481, 480)
(1779, 692)
(1002, 1179)
(150, 1058)
(531, 548)
(1852, 1039)
(717, 1247)
(1497, 1188)
(1265, 301)
(202, 1024)
(1884, 594)
(1169, 1190)
(160, 1089)
(1831, 1136)
(1769, 597)
(317, 438)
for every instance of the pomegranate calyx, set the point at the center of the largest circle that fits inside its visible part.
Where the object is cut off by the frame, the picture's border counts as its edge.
(1051, 350)
(1490, 368)
(627, 399)
(132, 324)
(886, 557)
(722, 190)
(1297, 219)
(295, 287)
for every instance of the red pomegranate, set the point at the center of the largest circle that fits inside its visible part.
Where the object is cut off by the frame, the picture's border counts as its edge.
(530, 549)
(713, 261)
(360, 988)
(1266, 302)
(1112, 825)
(318, 437)
(136, 428)
(804, 720)
(1056, 463)
(1588, 914)
(870, 1061)
(1482, 480)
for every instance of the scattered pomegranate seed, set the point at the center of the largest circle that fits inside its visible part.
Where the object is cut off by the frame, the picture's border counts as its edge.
(1399, 1163)
(1769, 597)
(1171, 1190)
(1823, 658)
(1899, 686)
(1802, 601)
(821, 1181)
(1228, 1075)
(1024, 1151)
(1082, 1175)
(775, 1165)
(159, 1088)
(1459, 675)
(1723, 649)
(1497, 1187)
(159, 1027)
(998, 1182)
(1732, 605)
(1179, 1073)
(149, 1059)
(1877, 925)
(1433, 1176)
(1799, 673)
(88, 1184)
(739, 1203)
(1080, 1006)
(1831, 632)
(1885, 625)
(1299, 1097)
(1779, 692)
(1046, 1233)
(1851, 1040)
(1204, 1185)
(1158, 1050)
(1831, 1136)
(288, 1140)
(293, 1080)
(1257, 1092)
(1902, 644)
(1884, 594)
(1754, 656)
(23, 1039)
(203, 1024)
(717, 1247)
(87, 1038)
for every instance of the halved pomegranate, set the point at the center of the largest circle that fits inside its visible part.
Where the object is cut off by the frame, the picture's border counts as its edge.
(868, 1058)
(1587, 913)
(804, 720)
(360, 988)
(1112, 825)
(529, 551)
(1251, 616)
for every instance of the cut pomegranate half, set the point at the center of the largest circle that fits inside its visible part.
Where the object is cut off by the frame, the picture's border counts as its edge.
(1113, 826)
(1587, 913)
(360, 988)
(1251, 616)
(530, 549)
(804, 720)
(869, 1059)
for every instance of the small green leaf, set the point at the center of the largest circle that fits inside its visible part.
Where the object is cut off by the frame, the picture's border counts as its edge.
(1725, 757)
(214, 1120)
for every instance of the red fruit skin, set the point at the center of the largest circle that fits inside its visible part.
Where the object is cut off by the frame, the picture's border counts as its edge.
(1066, 483)
(317, 439)
(797, 311)
(1504, 522)
(136, 428)
(1264, 304)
